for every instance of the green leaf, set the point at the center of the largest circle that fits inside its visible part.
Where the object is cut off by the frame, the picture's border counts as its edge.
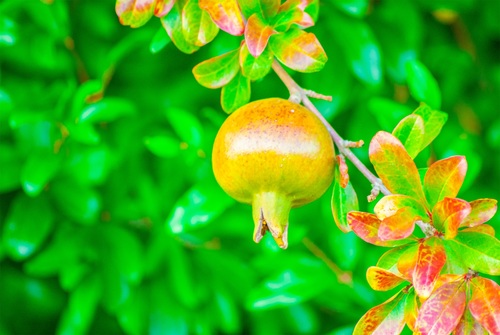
(187, 126)
(226, 14)
(8, 31)
(172, 23)
(160, 40)
(106, 110)
(235, 94)
(386, 318)
(197, 26)
(134, 13)
(269, 7)
(344, 200)
(479, 252)
(390, 204)
(38, 170)
(292, 12)
(482, 210)
(22, 233)
(394, 166)
(78, 202)
(218, 71)
(199, 206)
(433, 123)
(164, 145)
(11, 168)
(257, 34)
(410, 131)
(444, 179)
(356, 8)
(255, 68)
(423, 87)
(298, 50)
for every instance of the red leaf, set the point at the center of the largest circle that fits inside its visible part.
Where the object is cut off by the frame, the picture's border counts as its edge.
(482, 210)
(448, 214)
(298, 50)
(344, 171)
(134, 13)
(441, 313)
(484, 304)
(163, 7)
(257, 34)
(387, 318)
(394, 166)
(444, 179)
(398, 226)
(381, 279)
(431, 258)
(366, 226)
(226, 14)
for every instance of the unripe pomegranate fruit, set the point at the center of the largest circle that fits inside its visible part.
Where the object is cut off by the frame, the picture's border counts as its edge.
(275, 155)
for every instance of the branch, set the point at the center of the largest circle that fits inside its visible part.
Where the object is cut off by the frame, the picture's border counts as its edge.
(299, 95)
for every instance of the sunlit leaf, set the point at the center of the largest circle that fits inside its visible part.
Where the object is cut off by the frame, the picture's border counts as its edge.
(423, 86)
(344, 200)
(482, 210)
(218, 71)
(484, 229)
(163, 7)
(390, 204)
(484, 303)
(431, 258)
(398, 226)
(257, 34)
(236, 93)
(290, 12)
(448, 214)
(433, 123)
(366, 226)
(394, 166)
(226, 14)
(479, 252)
(197, 26)
(408, 261)
(172, 23)
(389, 260)
(381, 279)
(444, 179)
(469, 326)
(441, 313)
(411, 309)
(255, 68)
(298, 50)
(134, 13)
(387, 318)
(410, 131)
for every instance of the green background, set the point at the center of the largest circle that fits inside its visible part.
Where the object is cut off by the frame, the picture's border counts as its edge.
(110, 219)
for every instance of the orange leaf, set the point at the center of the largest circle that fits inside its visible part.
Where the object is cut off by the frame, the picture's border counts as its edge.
(134, 13)
(482, 210)
(366, 226)
(484, 229)
(431, 258)
(381, 279)
(394, 166)
(257, 34)
(344, 171)
(390, 204)
(484, 304)
(448, 214)
(441, 313)
(398, 226)
(226, 14)
(444, 179)
(163, 7)
(386, 318)
(408, 261)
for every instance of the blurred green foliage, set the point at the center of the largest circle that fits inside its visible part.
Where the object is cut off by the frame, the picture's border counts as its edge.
(110, 219)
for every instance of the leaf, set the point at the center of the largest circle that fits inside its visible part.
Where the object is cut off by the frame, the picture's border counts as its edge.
(408, 261)
(344, 200)
(11, 168)
(249, 7)
(163, 145)
(291, 12)
(483, 229)
(298, 50)
(217, 71)
(134, 13)
(187, 126)
(444, 179)
(411, 309)
(410, 131)
(159, 41)
(235, 94)
(356, 8)
(198, 206)
(257, 34)
(468, 325)
(482, 210)
(394, 166)
(381, 279)
(226, 14)
(433, 123)
(38, 170)
(398, 226)
(479, 252)
(270, 8)
(386, 318)
(27, 225)
(366, 226)
(343, 171)
(106, 110)
(197, 26)
(441, 313)
(172, 23)
(255, 68)
(448, 214)
(389, 260)
(390, 204)
(78, 202)
(431, 258)
(423, 87)
(484, 303)
(163, 7)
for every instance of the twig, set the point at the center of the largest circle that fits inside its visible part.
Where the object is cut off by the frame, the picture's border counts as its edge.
(297, 94)
(343, 277)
